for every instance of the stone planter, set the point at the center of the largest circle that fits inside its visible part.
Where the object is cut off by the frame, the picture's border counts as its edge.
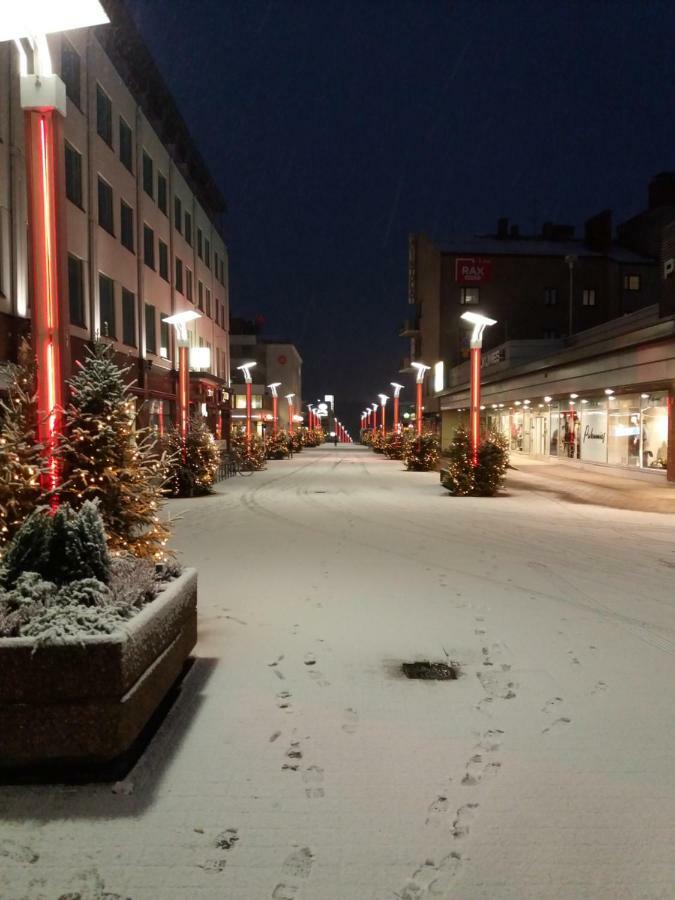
(87, 700)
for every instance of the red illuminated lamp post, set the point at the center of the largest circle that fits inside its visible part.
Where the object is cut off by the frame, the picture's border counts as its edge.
(397, 390)
(275, 405)
(245, 369)
(421, 372)
(289, 398)
(383, 402)
(43, 100)
(179, 321)
(479, 323)
(374, 419)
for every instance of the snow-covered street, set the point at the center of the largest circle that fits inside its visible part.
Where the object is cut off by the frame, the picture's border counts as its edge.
(298, 763)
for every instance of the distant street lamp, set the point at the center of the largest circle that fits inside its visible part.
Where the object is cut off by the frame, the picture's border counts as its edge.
(43, 100)
(421, 372)
(397, 390)
(383, 401)
(245, 369)
(289, 398)
(179, 321)
(374, 408)
(275, 405)
(480, 323)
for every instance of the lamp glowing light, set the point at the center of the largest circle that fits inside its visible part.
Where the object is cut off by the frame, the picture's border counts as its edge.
(480, 323)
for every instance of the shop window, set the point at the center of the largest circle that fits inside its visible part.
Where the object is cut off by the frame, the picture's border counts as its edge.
(128, 318)
(588, 297)
(104, 123)
(76, 291)
(126, 146)
(550, 296)
(623, 416)
(469, 296)
(631, 282)
(654, 434)
(594, 431)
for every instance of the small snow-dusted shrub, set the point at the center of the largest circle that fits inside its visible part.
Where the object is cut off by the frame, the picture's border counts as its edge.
(192, 467)
(421, 453)
(394, 445)
(60, 547)
(484, 479)
(276, 445)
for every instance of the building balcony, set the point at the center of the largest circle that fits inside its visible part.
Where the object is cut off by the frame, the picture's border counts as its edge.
(410, 328)
(404, 365)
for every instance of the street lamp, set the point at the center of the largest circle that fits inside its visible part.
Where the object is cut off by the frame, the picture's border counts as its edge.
(397, 390)
(289, 398)
(383, 401)
(421, 372)
(275, 404)
(374, 420)
(43, 99)
(480, 323)
(245, 369)
(179, 321)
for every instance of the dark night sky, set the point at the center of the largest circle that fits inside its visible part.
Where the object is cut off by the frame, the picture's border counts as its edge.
(336, 128)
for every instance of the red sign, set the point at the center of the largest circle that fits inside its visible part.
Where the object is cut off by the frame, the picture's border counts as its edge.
(472, 270)
(282, 360)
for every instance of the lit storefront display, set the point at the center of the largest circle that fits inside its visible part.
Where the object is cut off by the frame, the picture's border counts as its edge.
(626, 430)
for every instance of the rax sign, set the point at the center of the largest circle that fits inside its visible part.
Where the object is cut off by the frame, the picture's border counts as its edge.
(472, 270)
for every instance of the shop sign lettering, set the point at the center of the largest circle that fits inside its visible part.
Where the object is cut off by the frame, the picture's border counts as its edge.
(472, 270)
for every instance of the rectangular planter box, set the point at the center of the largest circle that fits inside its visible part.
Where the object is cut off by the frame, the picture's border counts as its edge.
(87, 700)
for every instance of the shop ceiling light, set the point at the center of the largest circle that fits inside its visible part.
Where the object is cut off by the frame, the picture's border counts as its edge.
(609, 391)
(518, 403)
(547, 399)
(573, 396)
(645, 396)
(584, 401)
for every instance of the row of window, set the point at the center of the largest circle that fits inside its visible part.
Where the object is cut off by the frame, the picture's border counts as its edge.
(470, 296)
(71, 75)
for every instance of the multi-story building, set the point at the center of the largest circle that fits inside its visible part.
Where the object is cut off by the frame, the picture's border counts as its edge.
(142, 214)
(277, 361)
(542, 287)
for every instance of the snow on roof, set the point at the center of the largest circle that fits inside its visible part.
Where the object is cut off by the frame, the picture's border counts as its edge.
(477, 245)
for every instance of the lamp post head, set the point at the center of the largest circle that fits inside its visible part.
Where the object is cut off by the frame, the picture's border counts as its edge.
(179, 321)
(383, 399)
(273, 388)
(480, 323)
(374, 405)
(397, 388)
(290, 397)
(245, 369)
(421, 371)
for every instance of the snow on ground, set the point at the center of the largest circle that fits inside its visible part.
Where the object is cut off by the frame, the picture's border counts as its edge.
(299, 763)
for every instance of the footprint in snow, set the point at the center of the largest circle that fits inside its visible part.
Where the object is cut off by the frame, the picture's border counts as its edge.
(17, 852)
(600, 686)
(555, 701)
(465, 814)
(351, 721)
(313, 779)
(310, 659)
(296, 868)
(557, 725)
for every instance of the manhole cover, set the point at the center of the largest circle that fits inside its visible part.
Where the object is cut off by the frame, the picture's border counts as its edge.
(429, 671)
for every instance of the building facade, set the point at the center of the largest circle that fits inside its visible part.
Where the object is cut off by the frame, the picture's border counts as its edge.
(141, 214)
(277, 361)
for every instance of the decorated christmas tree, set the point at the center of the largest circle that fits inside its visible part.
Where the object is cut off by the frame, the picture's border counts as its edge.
(378, 442)
(459, 476)
(296, 441)
(484, 478)
(192, 467)
(106, 458)
(421, 452)
(276, 445)
(493, 461)
(366, 436)
(21, 460)
(249, 453)
(394, 445)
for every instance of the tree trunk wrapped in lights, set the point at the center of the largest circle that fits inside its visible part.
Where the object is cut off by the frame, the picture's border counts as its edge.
(276, 445)
(462, 478)
(421, 452)
(21, 458)
(249, 453)
(193, 465)
(106, 458)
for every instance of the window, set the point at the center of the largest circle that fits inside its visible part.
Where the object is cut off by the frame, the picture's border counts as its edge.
(150, 330)
(588, 297)
(70, 71)
(631, 282)
(76, 291)
(469, 295)
(148, 246)
(128, 318)
(106, 305)
(126, 146)
(208, 302)
(550, 296)
(104, 123)
(163, 261)
(73, 175)
(105, 206)
(148, 176)
(199, 244)
(126, 226)
(207, 253)
(164, 339)
(188, 228)
(178, 214)
(188, 284)
(200, 295)
(161, 192)
(179, 275)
